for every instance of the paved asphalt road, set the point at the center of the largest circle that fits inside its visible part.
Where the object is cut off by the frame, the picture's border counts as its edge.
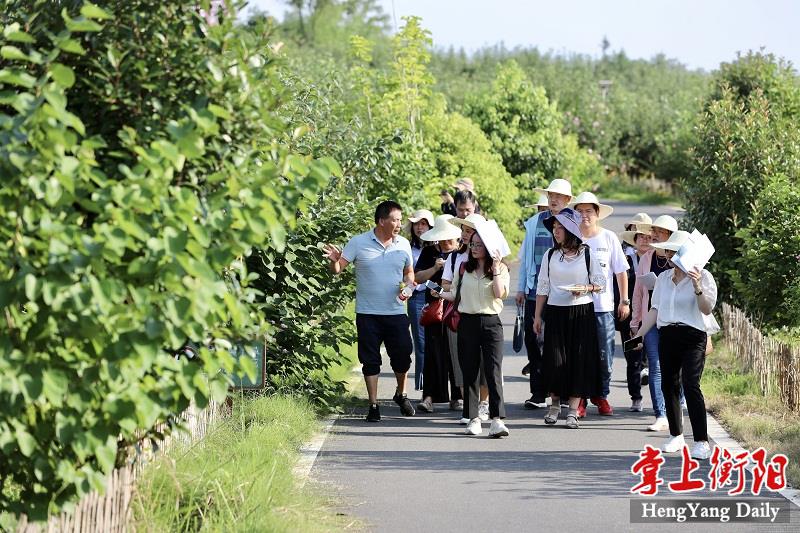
(422, 474)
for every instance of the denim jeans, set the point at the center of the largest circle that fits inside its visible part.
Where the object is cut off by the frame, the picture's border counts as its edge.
(415, 305)
(654, 363)
(605, 338)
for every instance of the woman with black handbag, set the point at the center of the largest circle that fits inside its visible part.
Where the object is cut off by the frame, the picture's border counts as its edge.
(437, 356)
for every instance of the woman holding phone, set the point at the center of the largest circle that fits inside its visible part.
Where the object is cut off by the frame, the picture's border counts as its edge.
(418, 223)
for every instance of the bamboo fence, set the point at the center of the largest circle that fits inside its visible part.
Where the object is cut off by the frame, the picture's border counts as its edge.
(776, 363)
(110, 512)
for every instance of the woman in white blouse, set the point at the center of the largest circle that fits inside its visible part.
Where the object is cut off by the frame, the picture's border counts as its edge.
(681, 310)
(568, 276)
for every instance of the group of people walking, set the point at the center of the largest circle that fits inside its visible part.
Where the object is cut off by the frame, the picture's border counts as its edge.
(579, 284)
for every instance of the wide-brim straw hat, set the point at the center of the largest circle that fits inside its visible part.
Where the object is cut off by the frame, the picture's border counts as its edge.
(442, 230)
(568, 218)
(664, 222)
(419, 214)
(639, 218)
(558, 185)
(674, 243)
(471, 221)
(630, 235)
(493, 239)
(587, 197)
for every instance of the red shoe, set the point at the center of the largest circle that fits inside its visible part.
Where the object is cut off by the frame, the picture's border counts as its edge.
(595, 400)
(604, 408)
(582, 408)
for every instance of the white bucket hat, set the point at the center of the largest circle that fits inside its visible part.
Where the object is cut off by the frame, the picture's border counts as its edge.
(664, 222)
(674, 243)
(471, 221)
(558, 185)
(590, 198)
(493, 239)
(442, 230)
(419, 214)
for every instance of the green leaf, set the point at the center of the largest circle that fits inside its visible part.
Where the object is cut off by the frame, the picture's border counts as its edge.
(13, 32)
(13, 53)
(62, 75)
(26, 442)
(72, 46)
(107, 454)
(17, 77)
(91, 11)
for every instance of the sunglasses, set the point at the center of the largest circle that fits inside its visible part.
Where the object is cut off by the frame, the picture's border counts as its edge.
(476, 245)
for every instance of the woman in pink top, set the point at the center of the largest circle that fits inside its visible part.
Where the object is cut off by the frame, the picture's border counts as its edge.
(651, 264)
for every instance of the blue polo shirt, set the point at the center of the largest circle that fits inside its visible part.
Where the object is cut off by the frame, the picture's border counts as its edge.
(379, 272)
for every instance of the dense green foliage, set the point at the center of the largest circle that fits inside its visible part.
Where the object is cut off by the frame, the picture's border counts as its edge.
(142, 159)
(746, 139)
(525, 129)
(635, 116)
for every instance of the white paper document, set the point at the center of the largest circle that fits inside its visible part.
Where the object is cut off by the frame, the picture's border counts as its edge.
(695, 253)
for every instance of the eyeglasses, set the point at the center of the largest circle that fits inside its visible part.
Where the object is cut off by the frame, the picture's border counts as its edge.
(476, 245)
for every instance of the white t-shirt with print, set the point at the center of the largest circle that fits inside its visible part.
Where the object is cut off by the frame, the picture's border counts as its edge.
(607, 250)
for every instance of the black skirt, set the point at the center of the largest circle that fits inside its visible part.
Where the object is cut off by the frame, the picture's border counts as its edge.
(437, 364)
(571, 363)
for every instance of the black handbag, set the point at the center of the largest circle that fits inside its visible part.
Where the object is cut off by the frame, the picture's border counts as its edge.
(519, 328)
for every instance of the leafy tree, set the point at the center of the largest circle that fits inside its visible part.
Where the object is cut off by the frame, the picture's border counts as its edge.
(135, 182)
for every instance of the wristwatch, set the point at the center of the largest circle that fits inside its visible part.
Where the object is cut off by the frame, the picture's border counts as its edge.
(698, 293)
(625, 302)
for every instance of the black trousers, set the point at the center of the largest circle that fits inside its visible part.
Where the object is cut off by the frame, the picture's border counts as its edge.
(534, 353)
(682, 355)
(481, 334)
(634, 362)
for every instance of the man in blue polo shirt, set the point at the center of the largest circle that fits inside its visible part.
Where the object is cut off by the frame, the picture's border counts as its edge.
(382, 259)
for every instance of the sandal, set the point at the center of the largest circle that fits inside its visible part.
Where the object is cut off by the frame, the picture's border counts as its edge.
(572, 421)
(552, 415)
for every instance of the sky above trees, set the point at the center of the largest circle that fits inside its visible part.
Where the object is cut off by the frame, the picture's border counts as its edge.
(698, 34)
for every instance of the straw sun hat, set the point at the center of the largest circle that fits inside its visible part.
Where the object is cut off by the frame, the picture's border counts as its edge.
(638, 221)
(442, 230)
(674, 243)
(664, 222)
(419, 214)
(590, 198)
(559, 186)
(471, 221)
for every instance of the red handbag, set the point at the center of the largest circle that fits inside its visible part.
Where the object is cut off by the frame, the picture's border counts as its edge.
(431, 314)
(451, 315)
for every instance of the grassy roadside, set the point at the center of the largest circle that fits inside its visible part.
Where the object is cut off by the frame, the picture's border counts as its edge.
(734, 398)
(238, 478)
(626, 190)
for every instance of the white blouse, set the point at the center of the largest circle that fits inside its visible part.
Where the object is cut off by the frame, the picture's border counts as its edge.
(561, 271)
(677, 304)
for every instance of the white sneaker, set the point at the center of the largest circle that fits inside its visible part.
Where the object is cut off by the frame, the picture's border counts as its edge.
(660, 424)
(464, 421)
(498, 429)
(636, 406)
(474, 427)
(673, 444)
(701, 450)
(483, 411)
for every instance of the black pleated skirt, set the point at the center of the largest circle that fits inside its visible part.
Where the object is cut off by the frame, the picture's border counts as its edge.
(571, 362)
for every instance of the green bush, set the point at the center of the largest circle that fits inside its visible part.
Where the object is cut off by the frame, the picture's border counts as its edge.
(769, 266)
(138, 171)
